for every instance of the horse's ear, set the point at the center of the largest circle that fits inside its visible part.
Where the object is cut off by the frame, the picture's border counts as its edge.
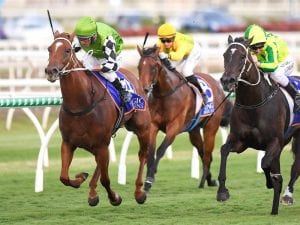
(139, 50)
(72, 35)
(157, 49)
(247, 42)
(56, 33)
(230, 39)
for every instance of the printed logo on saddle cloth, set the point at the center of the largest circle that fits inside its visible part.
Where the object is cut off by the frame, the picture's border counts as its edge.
(208, 108)
(296, 83)
(136, 102)
(205, 110)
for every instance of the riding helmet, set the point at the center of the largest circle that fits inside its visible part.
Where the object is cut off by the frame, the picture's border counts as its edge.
(257, 33)
(86, 27)
(166, 30)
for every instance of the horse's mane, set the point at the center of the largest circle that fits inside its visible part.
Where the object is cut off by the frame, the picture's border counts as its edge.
(149, 50)
(239, 39)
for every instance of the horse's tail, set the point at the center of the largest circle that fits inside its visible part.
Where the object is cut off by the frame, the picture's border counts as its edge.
(227, 113)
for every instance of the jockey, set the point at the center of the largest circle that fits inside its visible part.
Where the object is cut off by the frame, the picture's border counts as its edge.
(177, 49)
(273, 57)
(101, 45)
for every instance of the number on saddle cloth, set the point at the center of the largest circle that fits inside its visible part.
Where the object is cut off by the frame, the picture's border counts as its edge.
(135, 103)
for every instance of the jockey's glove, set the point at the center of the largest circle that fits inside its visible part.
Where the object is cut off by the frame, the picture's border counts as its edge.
(163, 55)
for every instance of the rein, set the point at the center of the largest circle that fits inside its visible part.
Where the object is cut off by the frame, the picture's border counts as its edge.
(64, 71)
(172, 91)
(244, 70)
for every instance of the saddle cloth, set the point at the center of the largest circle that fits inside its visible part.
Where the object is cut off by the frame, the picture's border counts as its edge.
(201, 110)
(135, 103)
(294, 117)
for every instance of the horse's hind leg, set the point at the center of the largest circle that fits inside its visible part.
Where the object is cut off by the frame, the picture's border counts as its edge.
(102, 158)
(287, 198)
(205, 150)
(66, 159)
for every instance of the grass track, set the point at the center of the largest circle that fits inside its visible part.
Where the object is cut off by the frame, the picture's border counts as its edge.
(174, 199)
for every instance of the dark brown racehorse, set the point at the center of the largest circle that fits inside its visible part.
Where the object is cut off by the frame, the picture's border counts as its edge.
(172, 105)
(87, 118)
(260, 119)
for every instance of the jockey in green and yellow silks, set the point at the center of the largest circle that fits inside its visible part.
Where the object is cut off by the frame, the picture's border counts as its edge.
(179, 50)
(100, 46)
(273, 57)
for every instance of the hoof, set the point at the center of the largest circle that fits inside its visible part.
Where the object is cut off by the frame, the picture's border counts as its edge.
(287, 200)
(93, 201)
(147, 186)
(212, 183)
(222, 197)
(141, 199)
(83, 176)
(117, 201)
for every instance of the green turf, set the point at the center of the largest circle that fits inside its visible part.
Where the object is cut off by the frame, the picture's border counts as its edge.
(174, 198)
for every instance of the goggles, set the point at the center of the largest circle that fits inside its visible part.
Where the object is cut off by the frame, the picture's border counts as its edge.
(84, 38)
(166, 40)
(257, 46)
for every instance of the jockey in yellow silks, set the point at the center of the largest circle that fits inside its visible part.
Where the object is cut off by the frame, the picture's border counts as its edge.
(178, 50)
(273, 57)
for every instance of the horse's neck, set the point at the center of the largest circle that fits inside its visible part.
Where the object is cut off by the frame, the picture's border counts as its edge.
(167, 81)
(248, 94)
(76, 88)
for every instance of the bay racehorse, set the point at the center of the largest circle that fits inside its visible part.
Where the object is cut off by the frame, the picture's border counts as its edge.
(261, 119)
(87, 118)
(172, 104)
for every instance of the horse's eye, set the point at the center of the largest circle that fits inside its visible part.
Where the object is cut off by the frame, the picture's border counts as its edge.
(68, 50)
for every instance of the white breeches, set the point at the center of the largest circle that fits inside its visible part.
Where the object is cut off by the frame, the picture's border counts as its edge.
(285, 69)
(187, 66)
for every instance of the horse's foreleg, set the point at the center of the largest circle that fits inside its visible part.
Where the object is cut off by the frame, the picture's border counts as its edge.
(93, 199)
(230, 145)
(277, 185)
(145, 146)
(66, 159)
(103, 161)
(151, 160)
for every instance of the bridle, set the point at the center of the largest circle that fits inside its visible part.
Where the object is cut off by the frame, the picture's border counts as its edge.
(71, 66)
(72, 62)
(150, 87)
(245, 70)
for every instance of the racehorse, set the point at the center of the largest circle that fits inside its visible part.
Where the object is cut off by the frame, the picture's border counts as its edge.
(172, 104)
(87, 118)
(260, 119)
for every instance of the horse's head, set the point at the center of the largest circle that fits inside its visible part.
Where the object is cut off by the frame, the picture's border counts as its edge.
(61, 56)
(149, 67)
(237, 63)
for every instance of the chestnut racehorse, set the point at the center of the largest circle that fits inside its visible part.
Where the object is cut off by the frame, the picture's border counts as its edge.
(87, 118)
(172, 104)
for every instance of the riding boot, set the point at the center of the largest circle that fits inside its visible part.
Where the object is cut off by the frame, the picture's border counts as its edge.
(124, 95)
(192, 79)
(290, 88)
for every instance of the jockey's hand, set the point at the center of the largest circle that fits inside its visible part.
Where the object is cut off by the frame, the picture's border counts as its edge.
(97, 68)
(163, 55)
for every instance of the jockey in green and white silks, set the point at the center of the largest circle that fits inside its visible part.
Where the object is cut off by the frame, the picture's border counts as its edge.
(273, 57)
(101, 46)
